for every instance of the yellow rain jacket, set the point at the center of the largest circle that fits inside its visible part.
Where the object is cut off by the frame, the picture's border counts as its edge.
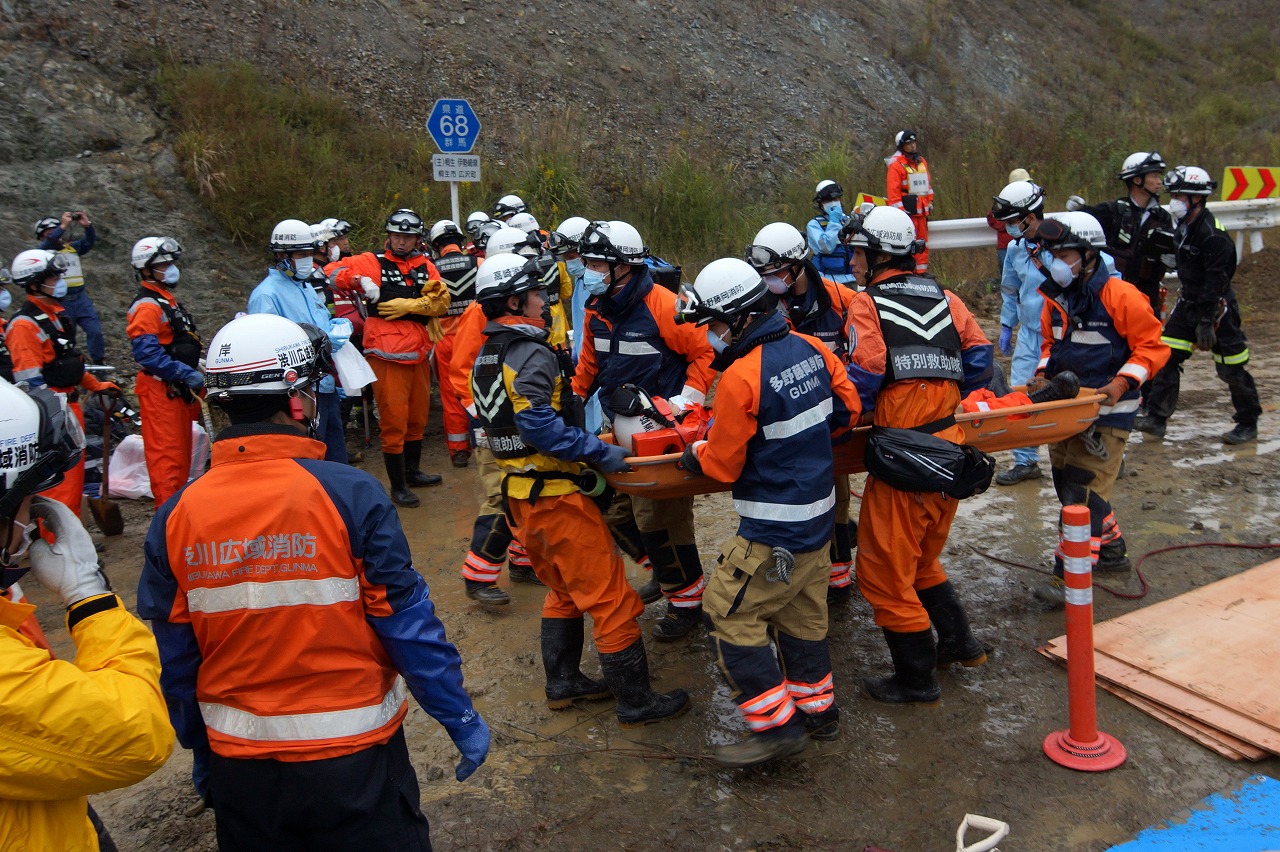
(71, 729)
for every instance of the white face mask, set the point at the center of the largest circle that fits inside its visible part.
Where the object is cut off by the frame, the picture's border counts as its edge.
(335, 253)
(303, 267)
(171, 275)
(777, 284)
(59, 288)
(595, 282)
(1013, 229)
(6, 299)
(1177, 209)
(717, 343)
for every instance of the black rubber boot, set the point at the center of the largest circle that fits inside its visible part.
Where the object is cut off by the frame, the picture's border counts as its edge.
(956, 643)
(678, 623)
(400, 495)
(783, 741)
(627, 673)
(824, 726)
(412, 475)
(562, 640)
(524, 574)
(650, 592)
(487, 594)
(1065, 385)
(1113, 558)
(913, 681)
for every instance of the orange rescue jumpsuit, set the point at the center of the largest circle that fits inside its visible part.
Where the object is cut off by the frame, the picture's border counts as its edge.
(909, 187)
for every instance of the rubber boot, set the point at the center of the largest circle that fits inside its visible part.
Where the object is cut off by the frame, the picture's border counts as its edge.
(562, 640)
(1065, 385)
(956, 643)
(1113, 558)
(824, 726)
(650, 592)
(782, 741)
(488, 594)
(400, 495)
(627, 673)
(413, 476)
(913, 681)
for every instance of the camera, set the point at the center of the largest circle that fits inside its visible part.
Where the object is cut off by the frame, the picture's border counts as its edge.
(77, 217)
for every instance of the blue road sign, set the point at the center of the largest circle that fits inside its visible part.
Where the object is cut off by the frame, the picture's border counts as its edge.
(453, 125)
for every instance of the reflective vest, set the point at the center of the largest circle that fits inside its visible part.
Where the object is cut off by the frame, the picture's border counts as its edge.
(75, 270)
(496, 402)
(629, 347)
(185, 346)
(1086, 341)
(919, 334)
(66, 369)
(818, 315)
(459, 273)
(784, 494)
(837, 262)
(395, 285)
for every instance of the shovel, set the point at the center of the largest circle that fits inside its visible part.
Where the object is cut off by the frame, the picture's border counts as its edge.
(106, 512)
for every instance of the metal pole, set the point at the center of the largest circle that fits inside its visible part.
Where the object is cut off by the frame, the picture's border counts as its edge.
(453, 201)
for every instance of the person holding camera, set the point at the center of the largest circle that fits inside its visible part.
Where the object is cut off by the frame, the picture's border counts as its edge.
(77, 307)
(823, 234)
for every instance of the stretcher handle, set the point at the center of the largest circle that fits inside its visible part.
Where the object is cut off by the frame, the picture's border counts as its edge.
(999, 831)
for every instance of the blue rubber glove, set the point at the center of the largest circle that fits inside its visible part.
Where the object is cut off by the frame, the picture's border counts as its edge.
(194, 380)
(835, 213)
(1006, 340)
(340, 331)
(473, 742)
(614, 460)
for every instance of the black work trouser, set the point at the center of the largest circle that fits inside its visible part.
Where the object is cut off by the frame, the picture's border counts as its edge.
(367, 801)
(1230, 359)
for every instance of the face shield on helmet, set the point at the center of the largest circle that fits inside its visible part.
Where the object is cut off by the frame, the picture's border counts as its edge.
(647, 425)
(1190, 180)
(903, 137)
(503, 275)
(727, 290)
(340, 227)
(40, 440)
(1016, 200)
(405, 221)
(1074, 231)
(566, 236)
(776, 247)
(474, 221)
(508, 206)
(1139, 164)
(32, 268)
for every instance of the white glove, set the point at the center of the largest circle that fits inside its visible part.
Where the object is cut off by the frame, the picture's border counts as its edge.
(371, 291)
(678, 404)
(70, 565)
(1075, 202)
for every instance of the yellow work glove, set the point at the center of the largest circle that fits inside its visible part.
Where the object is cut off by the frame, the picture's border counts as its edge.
(435, 332)
(396, 308)
(435, 298)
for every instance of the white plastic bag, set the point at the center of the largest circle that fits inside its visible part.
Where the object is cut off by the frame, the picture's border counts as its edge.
(353, 371)
(199, 451)
(129, 470)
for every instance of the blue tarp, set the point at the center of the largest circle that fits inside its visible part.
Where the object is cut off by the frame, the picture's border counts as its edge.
(1245, 818)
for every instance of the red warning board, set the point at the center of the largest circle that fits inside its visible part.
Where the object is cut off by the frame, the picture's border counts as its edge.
(1243, 182)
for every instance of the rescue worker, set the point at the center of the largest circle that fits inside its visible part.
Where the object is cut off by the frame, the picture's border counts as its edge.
(781, 396)
(1101, 328)
(1206, 316)
(78, 309)
(288, 291)
(559, 287)
(1020, 208)
(302, 747)
(631, 337)
(339, 244)
(167, 348)
(564, 246)
(475, 219)
(818, 307)
(909, 187)
(6, 299)
(69, 728)
(533, 422)
(43, 353)
(1003, 237)
(910, 374)
(458, 269)
(508, 206)
(829, 254)
(406, 289)
(1139, 231)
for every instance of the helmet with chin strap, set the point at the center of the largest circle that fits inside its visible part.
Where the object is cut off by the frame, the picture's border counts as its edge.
(776, 245)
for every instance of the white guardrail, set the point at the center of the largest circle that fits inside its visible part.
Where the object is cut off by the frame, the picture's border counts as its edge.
(1239, 217)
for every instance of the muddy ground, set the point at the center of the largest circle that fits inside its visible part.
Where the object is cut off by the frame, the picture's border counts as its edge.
(901, 778)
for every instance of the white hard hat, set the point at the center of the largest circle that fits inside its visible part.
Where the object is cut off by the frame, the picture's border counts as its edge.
(153, 251)
(33, 266)
(827, 190)
(1016, 200)
(508, 240)
(613, 241)
(1140, 163)
(443, 228)
(1079, 231)
(40, 439)
(1190, 180)
(525, 222)
(509, 205)
(265, 354)
(886, 229)
(776, 244)
(723, 289)
(291, 235)
(502, 275)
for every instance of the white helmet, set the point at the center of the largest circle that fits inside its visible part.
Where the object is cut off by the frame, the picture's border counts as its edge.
(321, 234)
(902, 137)
(508, 206)
(1016, 200)
(44, 223)
(777, 244)
(1084, 225)
(153, 251)
(291, 235)
(502, 275)
(445, 228)
(614, 242)
(565, 237)
(39, 441)
(475, 220)
(525, 222)
(265, 354)
(1079, 231)
(340, 227)
(724, 289)
(1140, 163)
(888, 230)
(508, 240)
(1190, 180)
(31, 267)
(827, 190)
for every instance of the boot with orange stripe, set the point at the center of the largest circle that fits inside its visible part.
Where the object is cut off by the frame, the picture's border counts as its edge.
(627, 673)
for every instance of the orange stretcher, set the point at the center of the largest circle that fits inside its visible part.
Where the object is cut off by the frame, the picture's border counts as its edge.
(989, 431)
